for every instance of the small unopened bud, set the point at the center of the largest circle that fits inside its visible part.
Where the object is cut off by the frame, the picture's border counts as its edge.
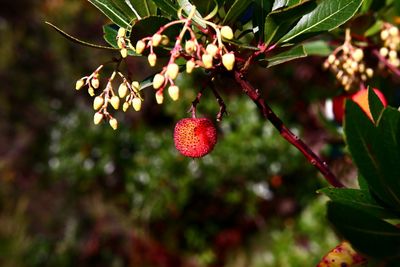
(98, 102)
(384, 34)
(152, 58)
(173, 92)
(121, 32)
(358, 55)
(124, 52)
(125, 106)
(172, 70)
(135, 86)
(140, 46)
(207, 60)
(91, 91)
(79, 84)
(228, 60)
(393, 54)
(97, 118)
(137, 103)
(190, 66)
(158, 81)
(159, 97)
(156, 39)
(331, 58)
(212, 49)
(115, 102)
(393, 31)
(190, 46)
(164, 40)
(361, 67)
(121, 43)
(95, 82)
(122, 90)
(369, 72)
(384, 51)
(227, 32)
(113, 123)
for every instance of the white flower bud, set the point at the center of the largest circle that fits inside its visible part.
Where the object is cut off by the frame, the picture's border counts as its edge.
(173, 92)
(190, 66)
(172, 70)
(227, 32)
(124, 52)
(91, 91)
(212, 49)
(140, 46)
(207, 61)
(135, 86)
(190, 46)
(115, 102)
(159, 97)
(228, 60)
(125, 106)
(164, 40)
(152, 58)
(384, 34)
(393, 31)
(358, 55)
(113, 123)
(384, 51)
(95, 82)
(121, 32)
(137, 103)
(97, 118)
(79, 84)
(369, 72)
(158, 81)
(122, 90)
(156, 39)
(98, 102)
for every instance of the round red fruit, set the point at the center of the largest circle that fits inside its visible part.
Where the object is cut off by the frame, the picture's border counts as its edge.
(195, 137)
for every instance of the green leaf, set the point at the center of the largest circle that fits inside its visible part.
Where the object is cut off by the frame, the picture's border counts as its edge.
(112, 12)
(368, 234)
(375, 104)
(375, 150)
(144, 8)
(261, 9)
(187, 7)
(294, 53)
(126, 8)
(374, 29)
(317, 48)
(110, 36)
(168, 7)
(360, 199)
(237, 8)
(279, 21)
(327, 16)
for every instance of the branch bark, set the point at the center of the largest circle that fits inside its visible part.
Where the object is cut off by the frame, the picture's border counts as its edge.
(285, 132)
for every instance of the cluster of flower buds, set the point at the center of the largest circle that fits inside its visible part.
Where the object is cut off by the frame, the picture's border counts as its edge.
(347, 63)
(390, 36)
(128, 92)
(123, 42)
(196, 54)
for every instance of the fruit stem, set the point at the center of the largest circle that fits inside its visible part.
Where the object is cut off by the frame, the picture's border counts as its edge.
(285, 132)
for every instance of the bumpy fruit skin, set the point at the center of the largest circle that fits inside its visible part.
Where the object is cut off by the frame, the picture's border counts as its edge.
(195, 137)
(361, 98)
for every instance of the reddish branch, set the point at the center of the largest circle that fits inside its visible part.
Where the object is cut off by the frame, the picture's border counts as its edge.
(285, 132)
(395, 70)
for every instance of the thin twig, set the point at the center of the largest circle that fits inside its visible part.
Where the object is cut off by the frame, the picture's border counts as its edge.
(221, 103)
(285, 132)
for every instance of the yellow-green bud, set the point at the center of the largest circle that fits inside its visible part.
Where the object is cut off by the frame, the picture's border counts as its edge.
(173, 92)
(172, 70)
(158, 81)
(79, 84)
(159, 97)
(122, 90)
(124, 52)
(140, 46)
(152, 58)
(212, 49)
(227, 32)
(97, 118)
(156, 39)
(91, 91)
(228, 60)
(207, 60)
(135, 86)
(164, 40)
(121, 32)
(358, 55)
(190, 46)
(190, 66)
(113, 123)
(125, 106)
(115, 102)
(137, 103)
(98, 102)
(95, 82)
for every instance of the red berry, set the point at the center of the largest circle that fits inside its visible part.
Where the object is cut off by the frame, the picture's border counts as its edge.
(361, 98)
(195, 137)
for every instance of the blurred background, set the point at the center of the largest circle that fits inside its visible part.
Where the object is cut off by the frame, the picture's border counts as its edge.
(75, 194)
